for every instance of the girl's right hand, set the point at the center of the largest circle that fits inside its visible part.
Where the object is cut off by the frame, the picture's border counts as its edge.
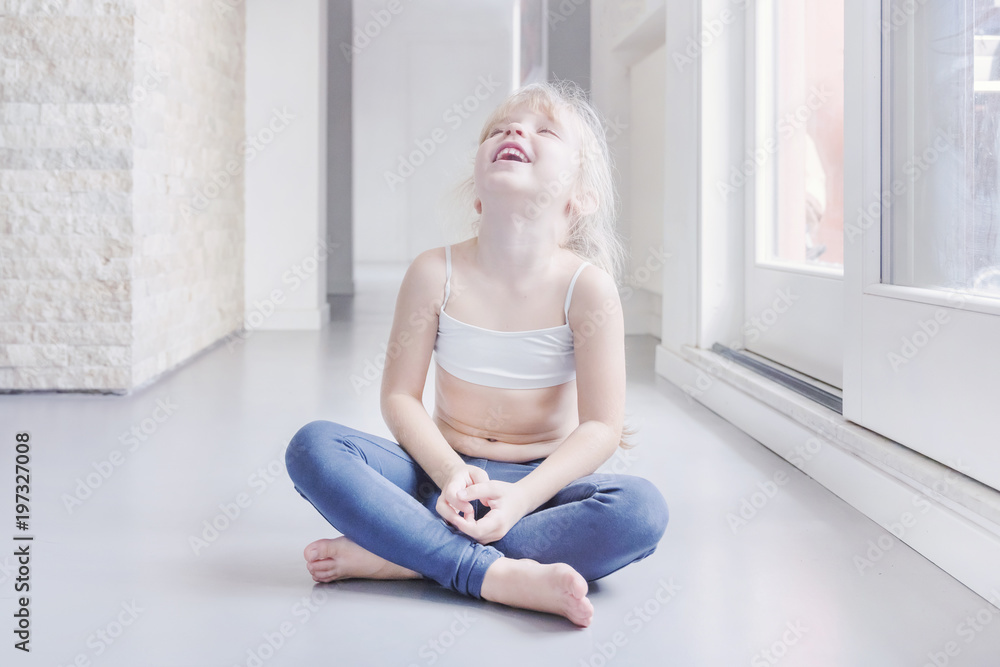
(449, 504)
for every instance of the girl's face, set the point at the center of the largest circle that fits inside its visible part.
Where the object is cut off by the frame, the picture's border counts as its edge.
(528, 154)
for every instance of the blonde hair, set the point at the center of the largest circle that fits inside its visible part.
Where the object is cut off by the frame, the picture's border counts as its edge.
(592, 235)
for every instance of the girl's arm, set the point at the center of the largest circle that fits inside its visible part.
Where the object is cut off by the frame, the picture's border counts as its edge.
(600, 377)
(600, 386)
(408, 355)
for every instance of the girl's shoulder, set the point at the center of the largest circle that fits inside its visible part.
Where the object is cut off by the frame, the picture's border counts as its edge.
(425, 277)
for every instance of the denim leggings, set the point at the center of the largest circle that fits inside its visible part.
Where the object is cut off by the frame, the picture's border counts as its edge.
(374, 493)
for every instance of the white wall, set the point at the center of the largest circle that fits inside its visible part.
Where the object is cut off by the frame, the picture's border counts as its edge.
(681, 189)
(610, 89)
(648, 154)
(644, 189)
(286, 178)
(414, 67)
(628, 87)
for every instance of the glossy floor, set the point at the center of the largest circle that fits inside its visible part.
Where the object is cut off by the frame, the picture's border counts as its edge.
(185, 547)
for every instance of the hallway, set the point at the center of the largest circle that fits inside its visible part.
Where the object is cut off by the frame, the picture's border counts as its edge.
(127, 568)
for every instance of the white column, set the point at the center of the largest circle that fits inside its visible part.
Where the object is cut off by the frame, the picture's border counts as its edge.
(286, 245)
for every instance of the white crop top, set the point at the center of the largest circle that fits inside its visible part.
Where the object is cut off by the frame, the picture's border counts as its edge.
(505, 359)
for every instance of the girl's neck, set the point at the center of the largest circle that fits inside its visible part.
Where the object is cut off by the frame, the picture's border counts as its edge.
(518, 249)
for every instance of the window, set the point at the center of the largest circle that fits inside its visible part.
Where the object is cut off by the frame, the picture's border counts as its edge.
(943, 131)
(794, 274)
(922, 316)
(801, 85)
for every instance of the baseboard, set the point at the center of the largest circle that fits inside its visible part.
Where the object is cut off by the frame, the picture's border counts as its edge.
(957, 528)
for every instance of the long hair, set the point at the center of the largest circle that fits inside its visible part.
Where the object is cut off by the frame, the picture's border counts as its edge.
(593, 235)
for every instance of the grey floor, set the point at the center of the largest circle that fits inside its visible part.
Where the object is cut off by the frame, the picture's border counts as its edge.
(117, 578)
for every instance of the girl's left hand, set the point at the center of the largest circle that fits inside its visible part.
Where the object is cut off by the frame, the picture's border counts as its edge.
(507, 502)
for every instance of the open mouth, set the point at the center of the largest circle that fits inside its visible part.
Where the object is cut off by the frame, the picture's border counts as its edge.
(512, 153)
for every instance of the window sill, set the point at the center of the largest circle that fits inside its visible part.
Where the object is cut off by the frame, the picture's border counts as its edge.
(969, 497)
(875, 475)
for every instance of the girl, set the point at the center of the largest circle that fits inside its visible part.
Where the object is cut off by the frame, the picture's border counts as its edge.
(495, 496)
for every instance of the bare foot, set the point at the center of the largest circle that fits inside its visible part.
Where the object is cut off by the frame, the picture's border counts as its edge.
(554, 588)
(340, 558)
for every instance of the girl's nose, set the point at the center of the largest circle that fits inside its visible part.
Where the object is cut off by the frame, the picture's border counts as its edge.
(515, 127)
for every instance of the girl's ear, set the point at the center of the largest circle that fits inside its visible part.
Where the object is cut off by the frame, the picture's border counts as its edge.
(478, 205)
(585, 203)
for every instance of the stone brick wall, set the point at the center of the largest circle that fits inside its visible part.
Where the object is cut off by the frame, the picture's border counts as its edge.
(187, 289)
(115, 117)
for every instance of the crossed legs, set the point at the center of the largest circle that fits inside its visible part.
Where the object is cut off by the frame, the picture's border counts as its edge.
(370, 490)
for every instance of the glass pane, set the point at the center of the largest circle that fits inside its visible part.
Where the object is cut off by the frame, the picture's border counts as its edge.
(944, 124)
(802, 70)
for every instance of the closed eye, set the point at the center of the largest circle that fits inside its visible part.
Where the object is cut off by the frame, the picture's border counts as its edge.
(496, 130)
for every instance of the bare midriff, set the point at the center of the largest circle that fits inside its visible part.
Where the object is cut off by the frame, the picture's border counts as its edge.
(515, 425)
(503, 424)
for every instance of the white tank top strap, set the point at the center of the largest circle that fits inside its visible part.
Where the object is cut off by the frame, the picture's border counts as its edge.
(569, 292)
(447, 281)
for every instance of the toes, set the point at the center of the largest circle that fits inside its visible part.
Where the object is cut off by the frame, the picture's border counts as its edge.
(319, 562)
(319, 550)
(323, 575)
(584, 613)
(321, 566)
(311, 552)
(574, 583)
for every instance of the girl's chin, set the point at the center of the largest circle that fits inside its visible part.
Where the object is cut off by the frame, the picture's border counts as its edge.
(507, 187)
(509, 180)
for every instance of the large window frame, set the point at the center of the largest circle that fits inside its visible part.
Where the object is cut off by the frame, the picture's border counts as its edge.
(919, 365)
(876, 472)
(793, 312)
(941, 404)
(940, 400)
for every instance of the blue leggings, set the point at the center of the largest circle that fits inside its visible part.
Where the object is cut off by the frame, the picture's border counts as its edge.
(374, 493)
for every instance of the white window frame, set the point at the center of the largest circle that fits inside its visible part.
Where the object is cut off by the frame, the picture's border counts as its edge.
(703, 302)
(942, 400)
(793, 312)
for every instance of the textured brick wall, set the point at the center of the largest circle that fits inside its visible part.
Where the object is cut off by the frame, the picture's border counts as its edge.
(187, 289)
(114, 116)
